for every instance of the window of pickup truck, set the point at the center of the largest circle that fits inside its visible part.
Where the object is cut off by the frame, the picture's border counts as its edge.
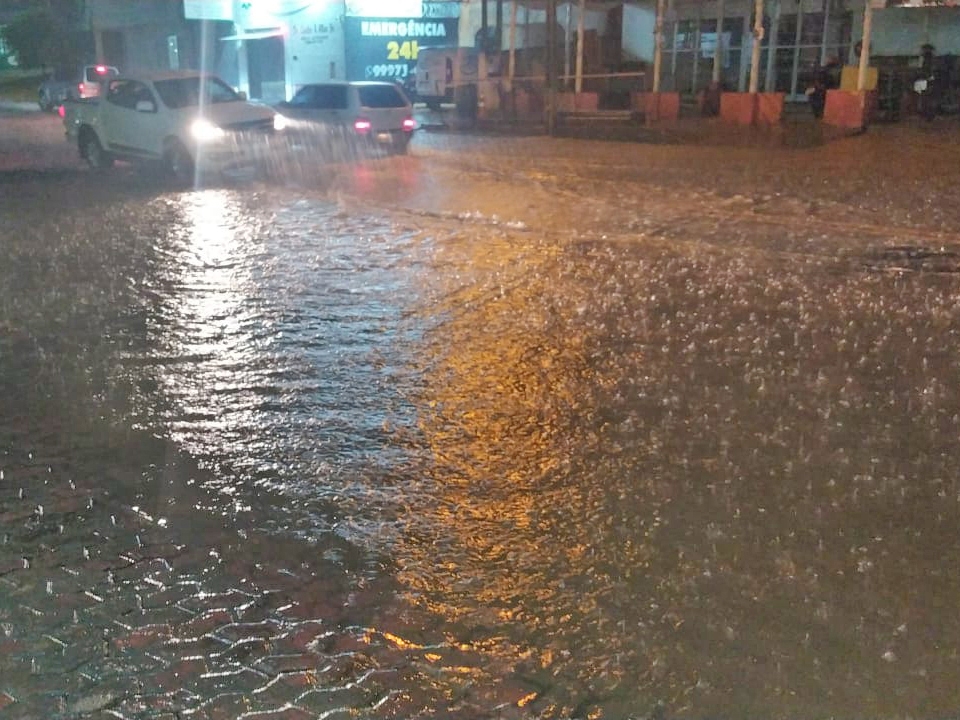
(127, 93)
(187, 92)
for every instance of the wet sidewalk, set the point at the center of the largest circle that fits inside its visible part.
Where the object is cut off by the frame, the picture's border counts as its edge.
(798, 128)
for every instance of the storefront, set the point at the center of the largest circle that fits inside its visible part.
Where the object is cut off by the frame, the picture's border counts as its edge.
(799, 35)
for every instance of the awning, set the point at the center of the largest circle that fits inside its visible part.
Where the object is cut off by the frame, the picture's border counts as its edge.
(258, 34)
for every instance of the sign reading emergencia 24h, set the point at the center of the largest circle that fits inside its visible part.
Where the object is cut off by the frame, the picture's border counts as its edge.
(387, 48)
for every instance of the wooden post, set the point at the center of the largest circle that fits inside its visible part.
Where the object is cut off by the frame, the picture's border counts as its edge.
(512, 57)
(772, 45)
(718, 50)
(658, 46)
(757, 40)
(865, 50)
(578, 83)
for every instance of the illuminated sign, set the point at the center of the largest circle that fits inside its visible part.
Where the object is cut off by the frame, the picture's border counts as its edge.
(387, 48)
(406, 28)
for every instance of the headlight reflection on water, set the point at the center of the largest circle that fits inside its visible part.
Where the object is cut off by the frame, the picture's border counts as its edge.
(277, 323)
(212, 345)
(211, 272)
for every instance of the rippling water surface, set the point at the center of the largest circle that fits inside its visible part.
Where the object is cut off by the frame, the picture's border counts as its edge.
(623, 478)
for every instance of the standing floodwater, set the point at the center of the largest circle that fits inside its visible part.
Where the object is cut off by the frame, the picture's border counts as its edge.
(360, 451)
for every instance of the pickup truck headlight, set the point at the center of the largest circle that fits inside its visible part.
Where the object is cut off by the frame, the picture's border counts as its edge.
(279, 122)
(205, 131)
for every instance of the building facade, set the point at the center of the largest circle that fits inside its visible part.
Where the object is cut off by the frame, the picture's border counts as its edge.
(271, 47)
(799, 35)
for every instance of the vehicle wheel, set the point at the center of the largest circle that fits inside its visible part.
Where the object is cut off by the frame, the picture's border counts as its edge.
(179, 163)
(97, 157)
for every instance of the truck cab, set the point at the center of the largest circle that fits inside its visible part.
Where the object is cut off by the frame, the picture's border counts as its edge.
(183, 119)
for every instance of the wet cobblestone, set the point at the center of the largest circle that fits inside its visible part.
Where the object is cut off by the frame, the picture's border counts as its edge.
(690, 425)
(106, 613)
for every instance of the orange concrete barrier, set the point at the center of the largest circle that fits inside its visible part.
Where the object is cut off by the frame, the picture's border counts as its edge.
(764, 109)
(657, 107)
(738, 108)
(769, 108)
(849, 109)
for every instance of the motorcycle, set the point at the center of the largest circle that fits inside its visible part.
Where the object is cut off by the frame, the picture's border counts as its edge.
(823, 78)
(928, 96)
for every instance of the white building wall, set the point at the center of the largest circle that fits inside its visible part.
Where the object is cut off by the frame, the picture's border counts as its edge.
(639, 23)
(313, 40)
(314, 45)
(901, 31)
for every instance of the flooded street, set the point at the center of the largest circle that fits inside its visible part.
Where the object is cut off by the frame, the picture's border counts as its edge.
(506, 428)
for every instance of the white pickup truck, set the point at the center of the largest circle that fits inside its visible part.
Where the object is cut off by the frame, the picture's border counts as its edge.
(186, 120)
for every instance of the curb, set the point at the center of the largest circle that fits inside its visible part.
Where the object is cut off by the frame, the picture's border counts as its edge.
(17, 106)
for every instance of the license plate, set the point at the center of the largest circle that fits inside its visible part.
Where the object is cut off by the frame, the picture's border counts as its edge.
(920, 86)
(384, 137)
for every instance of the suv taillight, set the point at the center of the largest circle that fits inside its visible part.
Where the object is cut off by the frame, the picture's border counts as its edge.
(409, 125)
(362, 126)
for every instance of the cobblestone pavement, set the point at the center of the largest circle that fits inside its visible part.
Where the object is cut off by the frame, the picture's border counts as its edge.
(126, 593)
(108, 610)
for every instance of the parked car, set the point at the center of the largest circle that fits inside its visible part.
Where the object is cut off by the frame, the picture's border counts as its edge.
(373, 114)
(85, 83)
(185, 119)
